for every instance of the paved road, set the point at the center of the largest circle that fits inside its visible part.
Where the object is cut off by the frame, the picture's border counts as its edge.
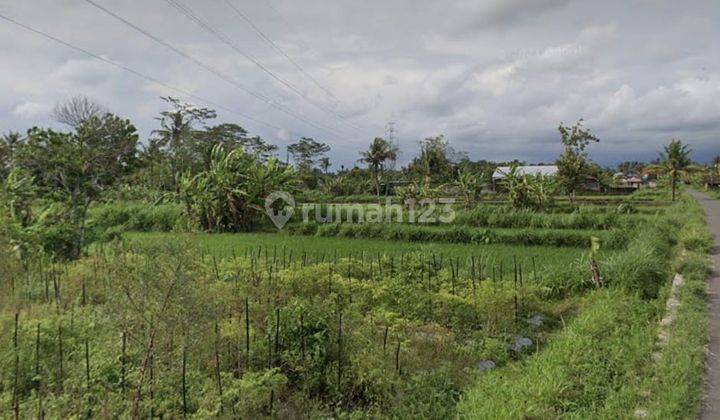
(711, 399)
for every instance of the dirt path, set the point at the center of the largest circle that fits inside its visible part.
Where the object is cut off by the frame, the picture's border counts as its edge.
(711, 398)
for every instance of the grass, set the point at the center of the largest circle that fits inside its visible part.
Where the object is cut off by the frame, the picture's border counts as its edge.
(670, 386)
(612, 239)
(359, 338)
(577, 371)
(603, 364)
(229, 244)
(491, 216)
(342, 291)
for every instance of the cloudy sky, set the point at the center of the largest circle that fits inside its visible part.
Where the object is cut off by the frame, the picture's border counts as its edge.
(494, 76)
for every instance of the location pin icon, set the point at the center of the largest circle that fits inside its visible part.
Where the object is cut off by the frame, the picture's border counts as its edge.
(278, 213)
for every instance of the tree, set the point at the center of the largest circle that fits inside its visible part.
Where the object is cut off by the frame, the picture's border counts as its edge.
(181, 128)
(8, 145)
(76, 110)
(572, 163)
(631, 167)
(380, 151)
(325, 164)
(675, 163)
(306, 153)
(230, 194)
(232, 136)
(435, 160)
(74, 168)
(17, 196)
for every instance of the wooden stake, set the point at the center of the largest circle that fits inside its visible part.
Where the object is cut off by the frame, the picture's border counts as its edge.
(247, 332)
(218, 379)
(123, 344)
(16, 384)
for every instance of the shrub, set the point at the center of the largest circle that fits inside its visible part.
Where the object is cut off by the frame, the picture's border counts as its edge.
(138, 217)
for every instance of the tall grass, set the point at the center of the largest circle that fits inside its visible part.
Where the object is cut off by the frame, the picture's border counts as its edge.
(612, 239)
(602, 365)
(141, 217)
(577, 371)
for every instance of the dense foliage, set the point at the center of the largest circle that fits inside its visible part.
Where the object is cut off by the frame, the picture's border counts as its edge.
(230, 194)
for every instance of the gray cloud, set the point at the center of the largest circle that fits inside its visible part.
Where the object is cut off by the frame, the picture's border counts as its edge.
(495, 77)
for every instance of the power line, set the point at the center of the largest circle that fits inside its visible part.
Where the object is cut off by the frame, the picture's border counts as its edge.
(189, 13)
(212, 70)
(277, 48)
(137, 73)
(300, 42)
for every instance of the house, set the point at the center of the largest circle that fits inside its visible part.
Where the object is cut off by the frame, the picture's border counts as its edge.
(629, 180)
(592, 184)
(711, 183)
(634, 181)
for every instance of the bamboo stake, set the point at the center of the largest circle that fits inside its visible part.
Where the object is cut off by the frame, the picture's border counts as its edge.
(41, 413)
(123, 344)
(385, 337)
(302, 338)
(277, 334)
(60, 360)
(339, 344)
(87, 377)
(184, 377)
(247, 332)
(397, 357)
(16, 396)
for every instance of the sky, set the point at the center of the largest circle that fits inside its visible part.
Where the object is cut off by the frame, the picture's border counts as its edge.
(495, 77)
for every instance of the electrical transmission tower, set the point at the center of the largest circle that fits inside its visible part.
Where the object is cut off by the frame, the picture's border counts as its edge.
(392, 138)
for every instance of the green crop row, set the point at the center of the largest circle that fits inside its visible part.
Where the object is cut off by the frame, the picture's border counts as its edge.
(613, 239)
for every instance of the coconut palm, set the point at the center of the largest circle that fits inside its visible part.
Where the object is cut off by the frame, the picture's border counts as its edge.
(675, 163)
(380, 152)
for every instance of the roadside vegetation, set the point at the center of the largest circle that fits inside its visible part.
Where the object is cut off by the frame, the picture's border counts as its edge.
(607, 362)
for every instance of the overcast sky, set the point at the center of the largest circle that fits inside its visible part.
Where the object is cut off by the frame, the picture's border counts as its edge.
(495, 76)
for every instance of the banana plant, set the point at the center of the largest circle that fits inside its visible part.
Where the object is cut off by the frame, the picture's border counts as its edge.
(529, 191)
(470, 185)
(230, 194)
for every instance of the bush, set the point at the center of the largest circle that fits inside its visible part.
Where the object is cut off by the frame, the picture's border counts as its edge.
(579, 218)
(139, 217)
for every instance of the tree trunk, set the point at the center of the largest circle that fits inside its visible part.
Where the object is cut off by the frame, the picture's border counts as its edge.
(377, 183)
(674, 186)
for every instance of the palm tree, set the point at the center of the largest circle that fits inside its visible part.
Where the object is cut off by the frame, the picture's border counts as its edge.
(674, 162)
(325, 164)
(380, 151)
